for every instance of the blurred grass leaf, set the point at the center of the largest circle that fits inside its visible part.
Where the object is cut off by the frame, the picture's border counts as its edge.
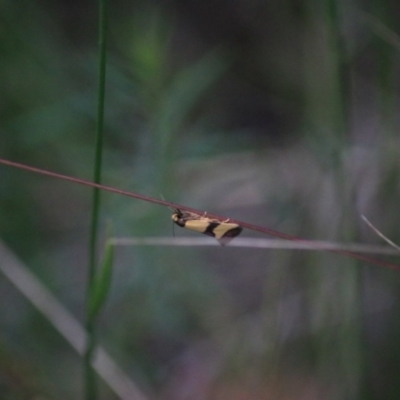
(187, 88)
(102, 282)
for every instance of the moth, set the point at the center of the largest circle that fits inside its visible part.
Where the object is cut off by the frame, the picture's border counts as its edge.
(223, 231)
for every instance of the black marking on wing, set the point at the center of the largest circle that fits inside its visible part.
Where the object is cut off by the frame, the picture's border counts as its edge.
(210, 228)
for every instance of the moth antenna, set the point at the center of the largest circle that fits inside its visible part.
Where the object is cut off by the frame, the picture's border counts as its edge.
(172, 209)
(175, 211)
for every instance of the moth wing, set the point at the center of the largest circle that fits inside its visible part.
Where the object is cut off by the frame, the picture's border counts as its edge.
(198, 225)
(225, 232)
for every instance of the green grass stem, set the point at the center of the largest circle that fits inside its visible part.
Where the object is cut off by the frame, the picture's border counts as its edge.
(89, 374)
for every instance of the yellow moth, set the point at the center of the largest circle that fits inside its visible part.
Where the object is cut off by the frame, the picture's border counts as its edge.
(223, 231)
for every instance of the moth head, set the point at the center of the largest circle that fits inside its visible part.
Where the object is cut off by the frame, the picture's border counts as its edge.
(177, 215)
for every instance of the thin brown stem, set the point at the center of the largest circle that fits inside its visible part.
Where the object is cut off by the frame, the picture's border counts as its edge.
(154, 200)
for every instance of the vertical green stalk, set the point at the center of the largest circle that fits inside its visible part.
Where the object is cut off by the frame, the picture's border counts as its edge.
(385, 54)
(327, 106)
(386, 84)
(340, 93)
(349, 352)
(89, 374)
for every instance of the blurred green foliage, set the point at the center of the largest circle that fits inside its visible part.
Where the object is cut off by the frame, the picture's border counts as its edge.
(281, 113)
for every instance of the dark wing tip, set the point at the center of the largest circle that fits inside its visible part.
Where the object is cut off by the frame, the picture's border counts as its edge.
(229, 235)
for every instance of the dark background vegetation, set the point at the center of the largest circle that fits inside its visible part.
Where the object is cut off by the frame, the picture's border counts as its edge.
(281, 113)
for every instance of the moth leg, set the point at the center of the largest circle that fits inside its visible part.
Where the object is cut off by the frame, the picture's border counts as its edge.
(227, 220)
(205, 213)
